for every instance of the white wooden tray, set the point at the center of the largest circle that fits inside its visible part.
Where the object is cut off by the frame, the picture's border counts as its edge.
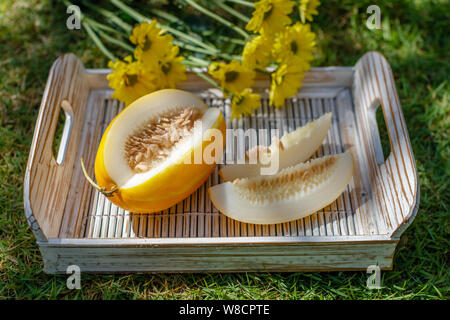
(74, 224)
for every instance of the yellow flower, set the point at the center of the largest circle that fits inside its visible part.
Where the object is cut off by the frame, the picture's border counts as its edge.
(150, 42)
(286, 80)
(129, 81)
(296, 40)
(256, 53)
(244, 103)
(168, 69)
(270, 16)
(233, 77)
(214, 69)
(307, 8)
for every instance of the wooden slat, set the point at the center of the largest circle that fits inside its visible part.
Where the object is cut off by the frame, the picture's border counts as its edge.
(324, 256)
(381, 192)
(45, 198)
(78, 202)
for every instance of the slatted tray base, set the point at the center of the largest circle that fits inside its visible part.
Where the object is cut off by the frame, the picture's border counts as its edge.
(196, 216)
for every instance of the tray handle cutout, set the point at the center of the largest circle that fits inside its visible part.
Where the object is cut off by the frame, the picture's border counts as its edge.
(382, 151)
(67, 129)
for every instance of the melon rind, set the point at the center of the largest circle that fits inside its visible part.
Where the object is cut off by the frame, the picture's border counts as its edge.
(297, 146)
(169, 182)
(230, 199)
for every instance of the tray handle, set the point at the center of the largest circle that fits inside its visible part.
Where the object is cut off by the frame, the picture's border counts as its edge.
(374, 86)
(47, 180)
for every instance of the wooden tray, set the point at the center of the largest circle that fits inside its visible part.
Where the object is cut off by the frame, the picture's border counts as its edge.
(75, 225)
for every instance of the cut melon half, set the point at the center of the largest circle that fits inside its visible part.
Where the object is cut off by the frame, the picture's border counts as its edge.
(147, 159)
(291, 194)
(292, 148)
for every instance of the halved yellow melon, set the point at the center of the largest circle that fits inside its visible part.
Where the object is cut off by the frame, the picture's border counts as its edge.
(292, 148)
(151, 155)
(291, 194)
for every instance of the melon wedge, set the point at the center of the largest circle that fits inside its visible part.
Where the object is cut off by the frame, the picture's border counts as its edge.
(291, 194)
(147, 159)
(292, 148)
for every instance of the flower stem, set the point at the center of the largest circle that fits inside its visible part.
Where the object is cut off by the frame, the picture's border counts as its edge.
(205, 49)
(92, 34)
(140, 18)
(231, 11)
(229, 57)
(190, 63)
(108, 38)
(97, 41)
(240, 42)
(242, 2)
(165, 15)
(207, 79)
(193, 48)
(112, 17)
(99, 26)
(199, 61)
(128, 28)
(227, 23)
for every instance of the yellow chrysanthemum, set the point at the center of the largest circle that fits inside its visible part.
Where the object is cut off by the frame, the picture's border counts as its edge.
(270, 16)
(168, 69)
(150, 42)
(129, 81)
(297, 40)
(286, 80)
(307, 9)
(214, 69)
(233, 76)
(256, 53)
(244, 103)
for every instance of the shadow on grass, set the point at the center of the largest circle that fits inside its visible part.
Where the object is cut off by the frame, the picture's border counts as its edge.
(414, 39)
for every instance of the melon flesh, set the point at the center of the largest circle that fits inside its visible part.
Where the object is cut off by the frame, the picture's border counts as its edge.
(131, 124)
(291, 194)
(291, 149)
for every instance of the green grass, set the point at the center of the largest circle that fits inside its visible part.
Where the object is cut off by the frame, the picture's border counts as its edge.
(414, 39)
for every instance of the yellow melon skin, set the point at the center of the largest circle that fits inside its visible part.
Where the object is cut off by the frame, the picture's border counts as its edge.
(165, 189)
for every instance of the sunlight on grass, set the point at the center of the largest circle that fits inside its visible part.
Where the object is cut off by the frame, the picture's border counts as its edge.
(413, 38)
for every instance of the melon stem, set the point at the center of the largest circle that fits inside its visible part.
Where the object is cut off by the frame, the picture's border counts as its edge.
(104, 191)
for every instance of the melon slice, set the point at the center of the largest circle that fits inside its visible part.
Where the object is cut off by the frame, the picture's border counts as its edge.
(147, 159)
(292, 148)
(291, 194)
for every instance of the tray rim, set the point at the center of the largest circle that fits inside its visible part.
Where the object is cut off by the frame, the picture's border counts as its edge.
(93, 77)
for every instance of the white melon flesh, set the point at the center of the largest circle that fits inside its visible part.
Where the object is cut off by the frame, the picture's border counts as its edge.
(295, 147)
(137, 116)
(291, 194)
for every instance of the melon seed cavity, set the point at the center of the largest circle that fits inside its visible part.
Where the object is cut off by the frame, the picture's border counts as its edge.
(288, 182)
(154, 141)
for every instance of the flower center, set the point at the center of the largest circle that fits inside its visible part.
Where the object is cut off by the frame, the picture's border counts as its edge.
(130, 79)
(166, 67)
(239, 100)
(147, 44)
(268, 13)
(294, 47)
(230, 76)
